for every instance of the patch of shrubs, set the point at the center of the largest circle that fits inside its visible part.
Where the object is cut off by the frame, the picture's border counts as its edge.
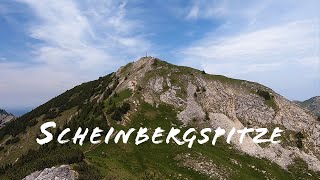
(150, 174)
(12, 140)
(269, 99)
(90, 116)
(265, 94)
(32, 123)
(51, 114)
(207, 118)
(139, 88)
(120, 111)
(195, 94)
(299, 136)
(87, 172)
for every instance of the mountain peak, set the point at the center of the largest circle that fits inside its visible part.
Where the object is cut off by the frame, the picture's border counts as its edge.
(5, 117)
(152, 93)
(144, 61)
(4, 112)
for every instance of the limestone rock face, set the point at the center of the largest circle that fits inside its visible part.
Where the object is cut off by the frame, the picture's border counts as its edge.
(5, 117)
(218, 101)
(62, 172)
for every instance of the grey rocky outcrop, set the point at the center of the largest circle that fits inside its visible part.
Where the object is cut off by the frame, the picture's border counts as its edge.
(63, 172)
(5, 117)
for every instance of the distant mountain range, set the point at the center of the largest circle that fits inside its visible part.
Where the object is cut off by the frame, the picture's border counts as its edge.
(312, 104)
(5, 117)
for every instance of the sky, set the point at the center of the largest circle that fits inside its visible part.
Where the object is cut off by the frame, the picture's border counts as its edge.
(49, 46)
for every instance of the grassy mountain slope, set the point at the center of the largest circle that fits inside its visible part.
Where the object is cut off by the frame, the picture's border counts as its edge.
(152, 93)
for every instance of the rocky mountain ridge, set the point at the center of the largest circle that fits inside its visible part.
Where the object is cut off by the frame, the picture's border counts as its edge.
(312, 104)
(5, 117)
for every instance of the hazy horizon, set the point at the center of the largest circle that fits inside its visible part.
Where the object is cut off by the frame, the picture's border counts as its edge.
(19, 111)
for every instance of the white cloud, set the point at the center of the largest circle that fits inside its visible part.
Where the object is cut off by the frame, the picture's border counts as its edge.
(213, 9)
(284, 44)
(273, 42)
(82, 33)
(194, 12)
(77, 41)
